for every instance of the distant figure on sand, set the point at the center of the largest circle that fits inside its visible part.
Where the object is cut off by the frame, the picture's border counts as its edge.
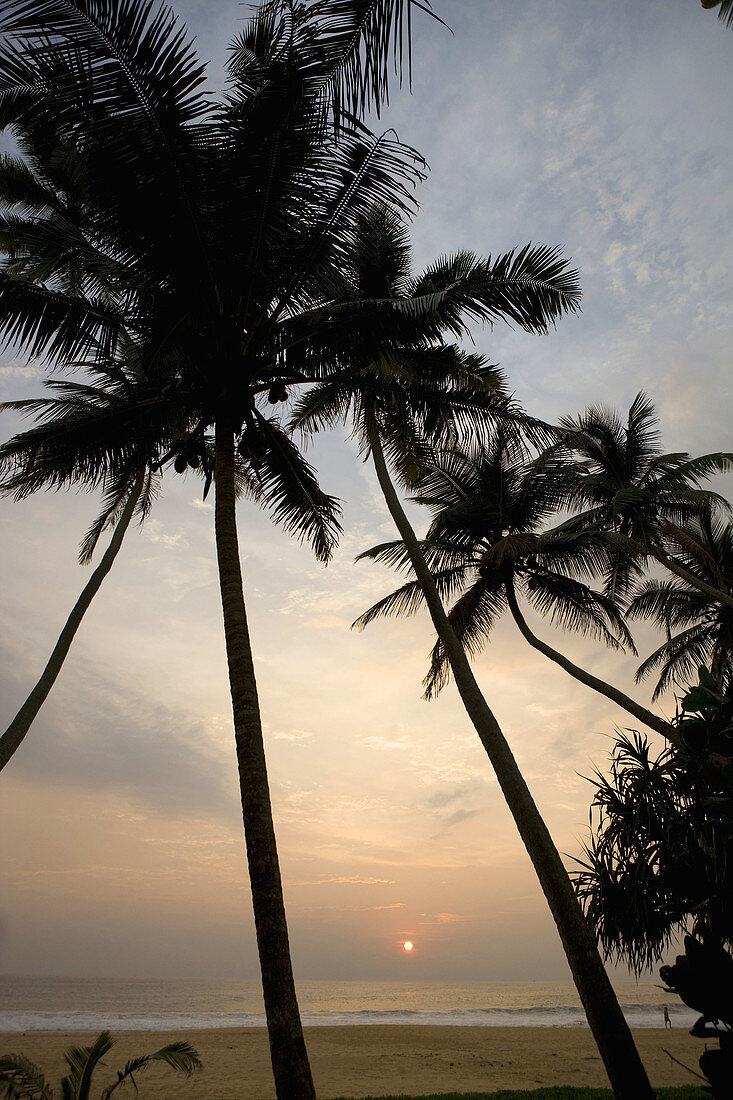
(667, 1021)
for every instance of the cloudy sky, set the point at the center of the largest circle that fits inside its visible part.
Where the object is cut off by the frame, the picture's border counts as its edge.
(602, 128)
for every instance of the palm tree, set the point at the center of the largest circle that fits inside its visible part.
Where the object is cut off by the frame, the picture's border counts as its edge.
(704, 546)
(402, 388)
(487, 543)
(628, 487)
(22, 1080)
(211, 221)
(82, 435)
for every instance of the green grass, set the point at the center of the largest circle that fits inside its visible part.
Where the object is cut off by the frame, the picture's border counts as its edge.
(562, 1092)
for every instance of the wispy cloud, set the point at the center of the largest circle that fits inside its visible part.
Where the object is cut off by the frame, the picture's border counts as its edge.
(345, 880)
(292, 735)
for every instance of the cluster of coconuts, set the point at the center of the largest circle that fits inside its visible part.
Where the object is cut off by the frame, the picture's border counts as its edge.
(278, 391)
(253, 444)
(186, 458)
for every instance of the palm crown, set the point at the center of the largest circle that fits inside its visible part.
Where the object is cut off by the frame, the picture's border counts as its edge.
(487, 540)
(383, 355)
(699, 629)
(625, 485)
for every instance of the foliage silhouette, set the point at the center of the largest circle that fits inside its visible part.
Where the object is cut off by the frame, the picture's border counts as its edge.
(488, 541)
(704, 547)
(203, 231)
(658, 862)
(404, 390)
(627, 487)
(22, 1080)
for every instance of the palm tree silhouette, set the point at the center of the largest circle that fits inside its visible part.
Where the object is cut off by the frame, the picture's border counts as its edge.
(630, 488)
(704, 546)
(488, 542)
(402, 389)
(207, 227)
(72, 442)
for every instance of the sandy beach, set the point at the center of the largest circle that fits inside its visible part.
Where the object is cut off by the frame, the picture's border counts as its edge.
(375, 1060)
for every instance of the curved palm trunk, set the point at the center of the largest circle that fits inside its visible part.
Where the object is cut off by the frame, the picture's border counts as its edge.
(715, 594)
(289, 1057)
(610, 1030)
(18, 728)
(626, 702)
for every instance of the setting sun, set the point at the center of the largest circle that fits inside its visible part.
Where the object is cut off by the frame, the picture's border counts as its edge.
(407, 945)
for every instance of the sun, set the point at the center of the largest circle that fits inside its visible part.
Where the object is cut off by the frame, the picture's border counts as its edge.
(408, 945)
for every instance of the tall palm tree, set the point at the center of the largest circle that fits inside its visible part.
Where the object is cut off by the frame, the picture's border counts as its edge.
(401, 388)
(625, 484)
(211, 220)
(703, 627)
(488, 542)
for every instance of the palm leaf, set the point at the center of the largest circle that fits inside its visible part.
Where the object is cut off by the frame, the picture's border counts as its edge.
(20, 1079)
(293, 495)
(180, 1056)
(472, 617)
(82, 1061)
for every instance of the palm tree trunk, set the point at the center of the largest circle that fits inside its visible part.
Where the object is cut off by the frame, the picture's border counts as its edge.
(18, 728)
(626, 702)
(288, 1054)
(715, 594)
(624, 1067)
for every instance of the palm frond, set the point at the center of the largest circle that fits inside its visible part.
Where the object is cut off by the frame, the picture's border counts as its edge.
(409, 598)
(292, 493)
(52, 325)
(20, 1079)
(575, 606)
(725, 10)
(472, 618)
(180, 1056)
(532, 287)
(679, 658)
(113, 504)
(362, 40)
(82, 1062)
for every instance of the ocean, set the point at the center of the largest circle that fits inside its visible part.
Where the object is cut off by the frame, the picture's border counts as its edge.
(94, 1004)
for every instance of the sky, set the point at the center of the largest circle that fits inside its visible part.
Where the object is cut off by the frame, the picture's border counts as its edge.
(600, 128)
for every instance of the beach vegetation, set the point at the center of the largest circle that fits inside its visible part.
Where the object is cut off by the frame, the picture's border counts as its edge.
(20, 1079)
(498, 529)
(658, 863)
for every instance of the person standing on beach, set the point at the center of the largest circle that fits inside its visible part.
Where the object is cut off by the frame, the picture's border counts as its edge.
(667, 1021)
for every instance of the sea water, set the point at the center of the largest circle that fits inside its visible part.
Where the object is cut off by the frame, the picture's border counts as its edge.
(93, 1004)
